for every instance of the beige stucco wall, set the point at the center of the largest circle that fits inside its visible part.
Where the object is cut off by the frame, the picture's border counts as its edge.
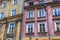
(7, 12)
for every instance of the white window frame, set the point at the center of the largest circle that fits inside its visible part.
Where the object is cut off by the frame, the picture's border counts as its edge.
(39, 26)
(28, 14)
(41, 10)
(54, 10)
(3, 6)
(9, 27)
(27, 27)
(1, 15)
(25, 4)
(55, 27)
(14, 2)
(12, 12)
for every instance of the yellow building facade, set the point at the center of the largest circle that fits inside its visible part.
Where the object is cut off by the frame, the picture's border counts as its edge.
(10, 19)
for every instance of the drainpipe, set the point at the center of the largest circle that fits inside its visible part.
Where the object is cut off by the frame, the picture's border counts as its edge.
(47, 21)
(21, 28)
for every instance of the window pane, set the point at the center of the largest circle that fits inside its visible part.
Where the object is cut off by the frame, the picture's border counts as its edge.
(55, 12)
(41, 13)
(30, 14)
(59, 11)
(2, 14)
(28, 28)
(41, 1)
(13, 12)
(31, 28)
(15, 2)
(40, 27)
(4, 4)
(43, 27)
(11, 24)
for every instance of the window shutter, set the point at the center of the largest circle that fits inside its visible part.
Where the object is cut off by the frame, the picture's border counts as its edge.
(53, 11)
(33, 13)
(38, 28)
(0, 15)
(8, 31)
(45, 28)
(27, 14)
(26, 28)
(55, 26)
(33, 28)
(44, 13)
(38, 13)
(13, 2)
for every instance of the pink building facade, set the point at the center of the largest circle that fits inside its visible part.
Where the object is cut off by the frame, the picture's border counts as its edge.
(42, 19)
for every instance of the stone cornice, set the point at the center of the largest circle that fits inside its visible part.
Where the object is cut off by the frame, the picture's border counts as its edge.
(5, 20)
(57, 3)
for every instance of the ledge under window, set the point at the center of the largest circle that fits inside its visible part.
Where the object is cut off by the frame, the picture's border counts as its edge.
(56, 31)
(41, 32)
(28, 34)
(41, 17)
(29, 18)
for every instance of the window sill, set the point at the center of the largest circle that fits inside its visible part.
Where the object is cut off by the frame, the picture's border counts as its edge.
(29, 33)
(1, 18)
(55, 15)
(41, 32)
(41, 17)
(29, 18)
(56, 31)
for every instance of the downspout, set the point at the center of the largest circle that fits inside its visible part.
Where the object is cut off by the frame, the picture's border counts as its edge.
(47, 22)
(22, 21)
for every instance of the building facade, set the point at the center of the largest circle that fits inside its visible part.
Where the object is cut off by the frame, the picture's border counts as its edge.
(41, 20)
(10, 19)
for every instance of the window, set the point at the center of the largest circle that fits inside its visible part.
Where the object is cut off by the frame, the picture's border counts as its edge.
(31, 4)
(42, 27)
(30, 14)
(57, 25)
(15, 2)
(41, 1)
(56, 11)
(30, 28)
(4, 4)
(13, 12)
(2, 15)
(11, 28)
(41, 13)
